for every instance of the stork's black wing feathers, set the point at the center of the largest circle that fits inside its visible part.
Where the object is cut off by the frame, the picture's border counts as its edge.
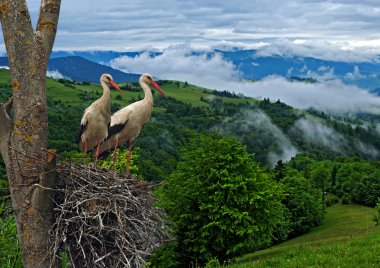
(81, 130)
(112, 130)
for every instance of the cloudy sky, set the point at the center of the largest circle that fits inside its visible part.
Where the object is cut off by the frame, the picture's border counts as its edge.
(135, 24)
(341, 30)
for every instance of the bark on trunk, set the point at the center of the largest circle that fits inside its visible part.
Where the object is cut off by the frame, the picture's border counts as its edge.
(23, 140)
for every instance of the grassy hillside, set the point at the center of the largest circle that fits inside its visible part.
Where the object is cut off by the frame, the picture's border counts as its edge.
(70, 92)
(347, 238)
(269, 129)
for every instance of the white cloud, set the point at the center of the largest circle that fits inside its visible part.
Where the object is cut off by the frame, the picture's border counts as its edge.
(323, 50)
(324, 73)
(318, 133)
(215, 73)
(180, 64)
(251, 119)
(366, 149)
(378, 128)
(289, 72)
(3, 51)
(56, 75)
(355, 75)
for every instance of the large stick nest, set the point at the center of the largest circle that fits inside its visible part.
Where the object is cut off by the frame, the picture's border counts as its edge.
(104, 219)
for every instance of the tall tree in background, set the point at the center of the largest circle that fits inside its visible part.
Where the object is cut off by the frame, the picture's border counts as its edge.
(23, 121)
(221, 203)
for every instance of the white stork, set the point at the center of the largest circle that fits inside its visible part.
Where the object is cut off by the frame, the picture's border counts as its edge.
(127, 123)
(96, 119)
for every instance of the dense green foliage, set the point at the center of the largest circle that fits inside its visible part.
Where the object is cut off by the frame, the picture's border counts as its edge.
(10, 256)
(304, 205)
(359, 179)
(220, 202)
(351, 179)
(377, 215)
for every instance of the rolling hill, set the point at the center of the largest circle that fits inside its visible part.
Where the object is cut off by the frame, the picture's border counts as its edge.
(347, 238)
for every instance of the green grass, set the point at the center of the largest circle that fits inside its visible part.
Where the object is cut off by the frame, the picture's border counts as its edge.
(347, 238)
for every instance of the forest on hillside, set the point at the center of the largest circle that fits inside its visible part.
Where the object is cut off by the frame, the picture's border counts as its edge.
(326, 159)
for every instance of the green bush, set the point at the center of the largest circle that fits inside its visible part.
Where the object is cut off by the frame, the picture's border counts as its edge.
(331, 200)
(220, 202)
(10, 255)
(360, 180)
(346, 199)
(377, 215)
(303, 203)
(121, 161)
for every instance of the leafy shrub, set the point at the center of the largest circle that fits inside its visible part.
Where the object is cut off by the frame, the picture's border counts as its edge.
(360, 180)
(166, 256)
(304, 204)
(346, 199)
(331, 200)
(121, 161)
(220, 202)
(10, 255)
(377, 215)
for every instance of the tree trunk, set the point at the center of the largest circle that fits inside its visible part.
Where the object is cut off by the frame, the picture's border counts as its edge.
(23, 139)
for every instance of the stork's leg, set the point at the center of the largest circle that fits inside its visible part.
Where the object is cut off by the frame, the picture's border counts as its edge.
(115, 153)
(97, 153)
(85, 152)
(129, 158)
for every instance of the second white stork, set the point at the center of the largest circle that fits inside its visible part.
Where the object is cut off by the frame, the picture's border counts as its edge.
(127, 123)
(96, 119)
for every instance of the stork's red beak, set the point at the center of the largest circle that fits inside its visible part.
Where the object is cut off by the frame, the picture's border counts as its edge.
(112, 83)
(154, 84)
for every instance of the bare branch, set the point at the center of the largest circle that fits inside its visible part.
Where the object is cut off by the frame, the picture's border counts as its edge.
(47, 24)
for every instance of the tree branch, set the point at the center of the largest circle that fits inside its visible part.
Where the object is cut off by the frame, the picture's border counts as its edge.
(5, 129)
(17, 29)
(47, 24)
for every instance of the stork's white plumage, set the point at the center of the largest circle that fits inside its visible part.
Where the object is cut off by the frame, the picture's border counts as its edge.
(127, 123)
(96, 119)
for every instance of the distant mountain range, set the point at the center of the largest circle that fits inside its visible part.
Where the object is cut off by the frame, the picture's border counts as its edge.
(89, 65)
(252, 65)
(81, 69)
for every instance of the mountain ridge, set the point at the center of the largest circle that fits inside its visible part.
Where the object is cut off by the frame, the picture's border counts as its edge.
(249, 63)
(80, 69)
(253, 65)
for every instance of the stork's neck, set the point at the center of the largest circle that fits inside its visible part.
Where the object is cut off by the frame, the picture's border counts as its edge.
(148, 93)
(106, 91)
(105, 98)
